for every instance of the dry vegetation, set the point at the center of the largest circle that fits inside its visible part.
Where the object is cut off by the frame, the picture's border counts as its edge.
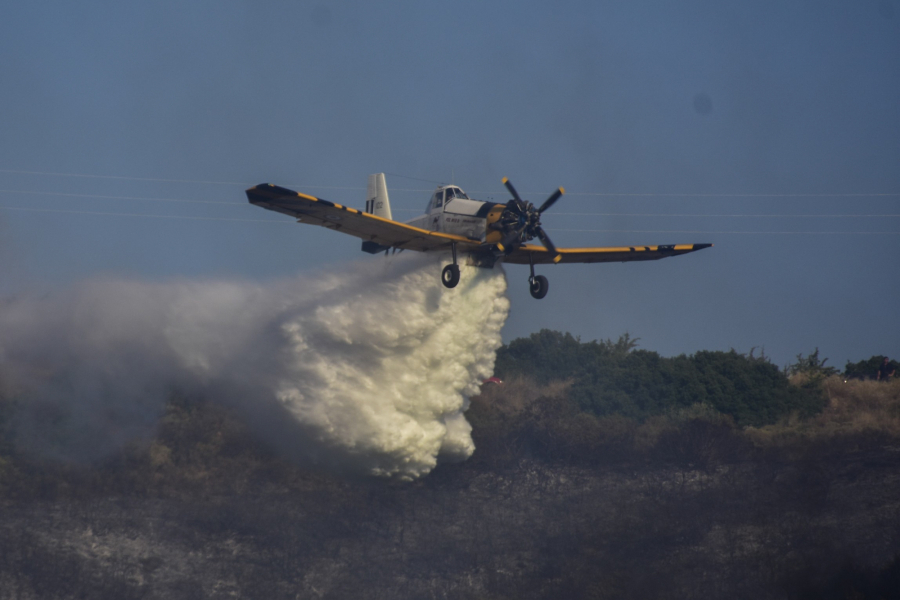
(855, 408)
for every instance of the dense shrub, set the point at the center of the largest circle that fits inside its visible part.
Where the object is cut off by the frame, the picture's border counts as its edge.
(613, 378)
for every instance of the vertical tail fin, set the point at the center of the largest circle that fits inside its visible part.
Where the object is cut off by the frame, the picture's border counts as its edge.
(377, 202)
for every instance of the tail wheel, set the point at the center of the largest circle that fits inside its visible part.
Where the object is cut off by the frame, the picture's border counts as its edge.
(450, 276)
(539, 286)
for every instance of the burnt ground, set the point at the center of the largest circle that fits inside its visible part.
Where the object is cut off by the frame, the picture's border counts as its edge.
(773, 524)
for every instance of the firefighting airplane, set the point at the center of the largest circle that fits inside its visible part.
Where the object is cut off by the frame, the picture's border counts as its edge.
(485, 232)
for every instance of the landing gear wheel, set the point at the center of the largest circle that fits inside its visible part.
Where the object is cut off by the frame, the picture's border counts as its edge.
(539, 286)
(450, 276)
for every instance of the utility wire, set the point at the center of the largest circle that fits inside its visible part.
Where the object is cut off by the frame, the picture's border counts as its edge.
(286, 222)
(693, 195)
(555, 214)
(82, 175)
(807, 215)
(121, 197)
(415, 178)
(704, 215)
(117, 214)
(593, 194)
(699, 231)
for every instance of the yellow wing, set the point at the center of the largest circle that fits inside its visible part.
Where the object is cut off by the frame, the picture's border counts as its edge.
(540, 255)
(368, 227)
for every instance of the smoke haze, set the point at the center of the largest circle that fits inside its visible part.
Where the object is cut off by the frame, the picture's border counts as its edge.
(365, 369)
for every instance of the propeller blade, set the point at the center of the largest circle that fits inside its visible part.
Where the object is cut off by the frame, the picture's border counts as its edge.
(520, 204)
(512, 190)
(552, 199)
(545, 240)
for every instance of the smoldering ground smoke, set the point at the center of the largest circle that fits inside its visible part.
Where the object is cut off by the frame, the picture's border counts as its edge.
(366, 369)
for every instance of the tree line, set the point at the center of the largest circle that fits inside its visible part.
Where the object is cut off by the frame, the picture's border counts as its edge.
(617, 378)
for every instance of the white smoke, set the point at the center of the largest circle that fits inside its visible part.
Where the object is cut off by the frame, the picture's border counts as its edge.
(367, 368)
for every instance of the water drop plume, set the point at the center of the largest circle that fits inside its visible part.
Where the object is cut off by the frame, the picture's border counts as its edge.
(367, 368)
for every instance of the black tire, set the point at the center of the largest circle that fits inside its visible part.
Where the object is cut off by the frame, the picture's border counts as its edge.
(450, 276)
(539, 286)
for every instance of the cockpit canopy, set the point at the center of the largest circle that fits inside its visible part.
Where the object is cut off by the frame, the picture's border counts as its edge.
(443, 195)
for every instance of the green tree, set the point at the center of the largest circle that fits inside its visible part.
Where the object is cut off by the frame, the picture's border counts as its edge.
(811, 366)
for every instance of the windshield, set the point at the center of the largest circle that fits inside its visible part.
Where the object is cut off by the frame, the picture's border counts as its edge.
(456, 193)
(436, 200)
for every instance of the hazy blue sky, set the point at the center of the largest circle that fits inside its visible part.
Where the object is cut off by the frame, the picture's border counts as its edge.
(750, 125)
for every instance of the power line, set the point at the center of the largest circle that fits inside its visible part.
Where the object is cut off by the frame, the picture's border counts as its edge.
(807, 215)
(163, 180)
(729, 232)
(570, 193)
(285, 222)
(117, 214)
(415, 178)
(85, 176)
(706, 195)
(555, 214)
(243, 184)
(704, 215)
(120, 197)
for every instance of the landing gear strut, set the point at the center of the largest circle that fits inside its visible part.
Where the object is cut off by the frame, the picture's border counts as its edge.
(537, 284)
(450, 274)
